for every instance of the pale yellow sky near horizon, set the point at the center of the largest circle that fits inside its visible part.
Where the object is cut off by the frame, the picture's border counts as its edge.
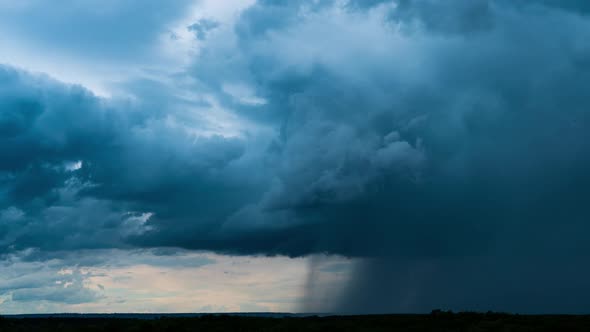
(182, 282)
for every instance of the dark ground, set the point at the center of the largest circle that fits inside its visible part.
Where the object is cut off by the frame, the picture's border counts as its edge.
(436, 321)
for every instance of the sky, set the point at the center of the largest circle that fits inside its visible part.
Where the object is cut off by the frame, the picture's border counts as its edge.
(345, 156)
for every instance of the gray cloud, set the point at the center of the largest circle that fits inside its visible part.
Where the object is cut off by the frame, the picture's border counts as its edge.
(103, 30)
(202, 27)
(51, 282)
(54, 280)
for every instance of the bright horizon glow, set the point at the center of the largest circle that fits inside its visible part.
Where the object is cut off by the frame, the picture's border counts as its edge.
(177, 282)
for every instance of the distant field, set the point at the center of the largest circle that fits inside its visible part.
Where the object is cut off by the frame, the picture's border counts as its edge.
(437, 321)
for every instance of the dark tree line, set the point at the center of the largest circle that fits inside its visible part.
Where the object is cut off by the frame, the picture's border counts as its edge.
(436, 321)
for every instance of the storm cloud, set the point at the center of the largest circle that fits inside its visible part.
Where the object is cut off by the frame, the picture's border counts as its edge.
(431, 138)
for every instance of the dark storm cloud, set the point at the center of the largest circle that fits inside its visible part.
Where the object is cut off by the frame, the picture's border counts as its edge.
(425, 145)
(449, 134)
(575, 6)
(408, 132)
(130, 164)
(534, 285)
(417, 134)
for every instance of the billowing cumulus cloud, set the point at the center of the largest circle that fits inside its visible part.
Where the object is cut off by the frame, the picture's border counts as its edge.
(434, 138)
(77, 166)
(428, 134)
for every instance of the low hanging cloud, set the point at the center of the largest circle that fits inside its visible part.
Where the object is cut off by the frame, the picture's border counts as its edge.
(400, 131)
